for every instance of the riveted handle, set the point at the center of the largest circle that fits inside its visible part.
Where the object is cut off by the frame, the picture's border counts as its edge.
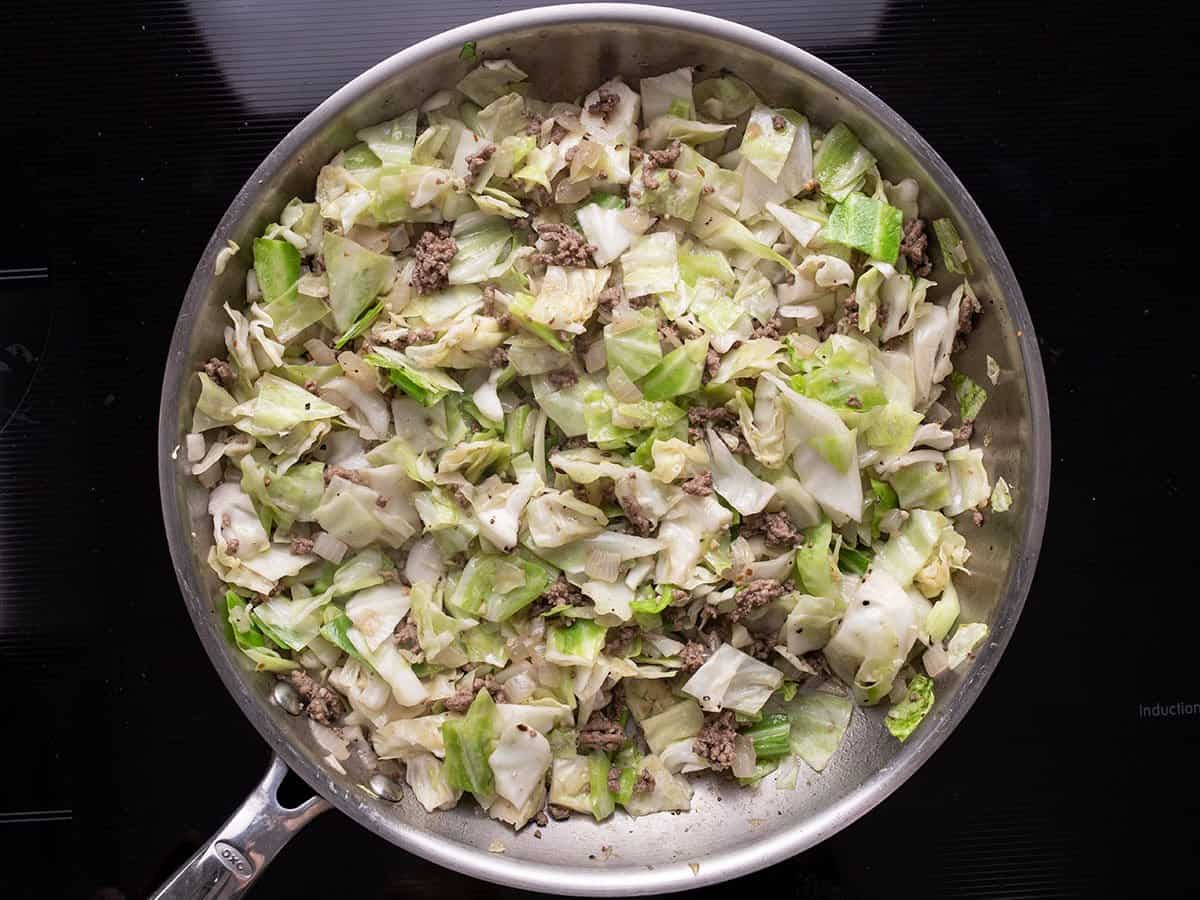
(233, 858)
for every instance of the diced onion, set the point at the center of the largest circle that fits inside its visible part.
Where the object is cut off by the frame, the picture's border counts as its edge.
(623, 387)
(195, 447)
(743, 558)
(333, 763)
(253, 292)
(225, 254)
(936, 661)
(313, 285)
(806, 314)
(209, 459)
(329, 740)
(595, 358)
(358, 370)
(744, 758)
(568, 192)
(636, 219)
(320, 352)
(326, 546)
(520, 687)
(603, 565)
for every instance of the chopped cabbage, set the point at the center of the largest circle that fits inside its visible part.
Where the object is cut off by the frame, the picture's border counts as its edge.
(590, 377)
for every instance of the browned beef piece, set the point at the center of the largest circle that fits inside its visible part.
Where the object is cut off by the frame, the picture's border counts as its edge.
(715, 740)
(320, 703)
(433, 253)
(757, 593)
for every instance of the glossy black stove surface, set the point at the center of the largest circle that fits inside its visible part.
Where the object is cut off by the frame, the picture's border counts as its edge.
(132, 125)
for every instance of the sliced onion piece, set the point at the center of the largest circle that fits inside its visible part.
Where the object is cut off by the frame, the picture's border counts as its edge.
(320, 352)
(195, 447)
(744, 758)
(623, 387)
(326, 546)
(603, 565)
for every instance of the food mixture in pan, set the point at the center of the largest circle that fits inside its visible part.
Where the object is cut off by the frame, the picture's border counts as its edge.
(565, 450)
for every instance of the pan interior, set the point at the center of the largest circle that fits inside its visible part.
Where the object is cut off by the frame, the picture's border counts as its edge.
(730, 830)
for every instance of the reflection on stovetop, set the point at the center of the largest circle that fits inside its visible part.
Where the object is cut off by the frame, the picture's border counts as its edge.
(138, 121)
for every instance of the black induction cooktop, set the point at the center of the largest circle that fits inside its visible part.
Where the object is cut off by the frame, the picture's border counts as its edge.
(129, 128)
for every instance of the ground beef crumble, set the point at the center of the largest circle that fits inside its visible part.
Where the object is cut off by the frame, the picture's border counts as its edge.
(609, 298)
(757, 593)
(776, 527)
(601, 733)
(660, 159)
(693, 656)
(721, 418)
(963, 432)
(761, 648)
(619, 640)
(712, 362)
(778, 122)
(715, 740)
(433, 252)
(340, 472)
(914, 246)
(498, 358)
(219, 371)
(562, 378)
(413, 336)
(644, 783)
(614, 780)
(560, 593)
(405, 635)
(772, 328)
(969, 312)
(494, 309)
(459, 493)
(320, 703)
(668, 336)
(301, 545)
(699, 485)
(653, 160)
(604, 104)
(977, 518)
(558, 813)
(462, 699)
(562, 245)
(477, 160)
(637, 519)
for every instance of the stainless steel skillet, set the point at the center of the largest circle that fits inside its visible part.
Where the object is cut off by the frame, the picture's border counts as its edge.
(565, 50)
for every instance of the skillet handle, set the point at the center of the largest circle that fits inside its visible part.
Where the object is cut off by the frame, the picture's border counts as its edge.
(236, 855)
